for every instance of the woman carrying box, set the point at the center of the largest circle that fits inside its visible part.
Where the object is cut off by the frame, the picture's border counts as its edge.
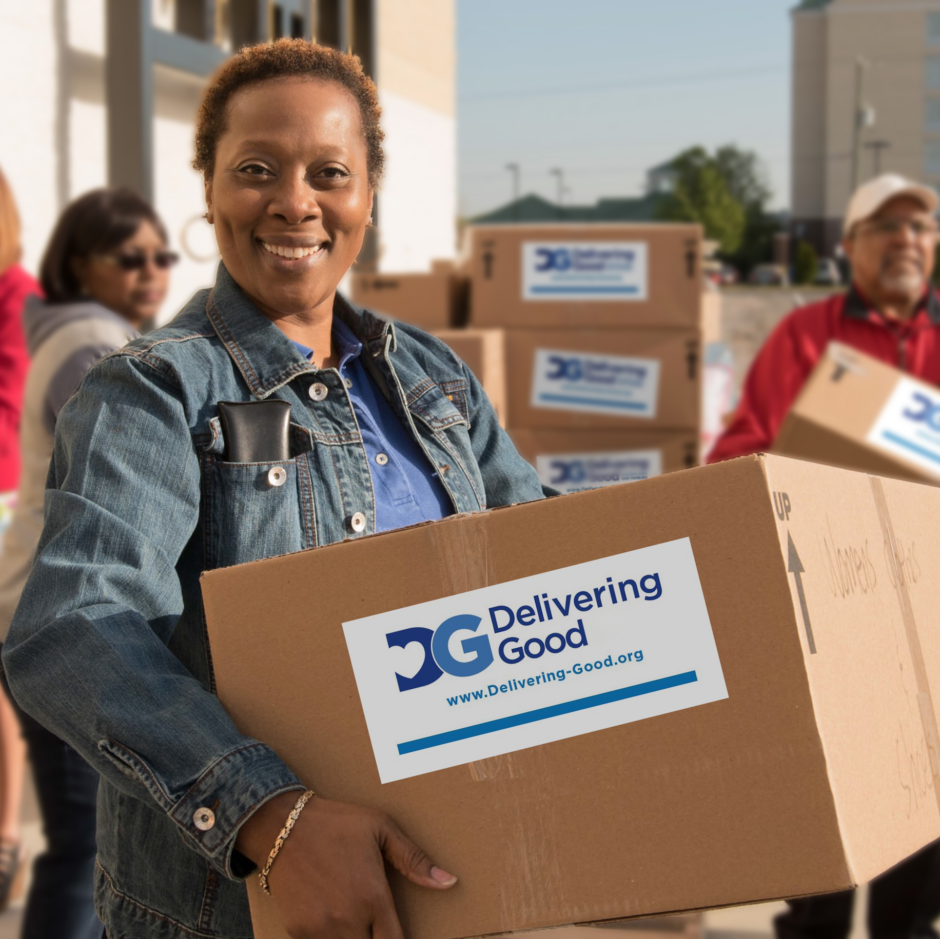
(270, 416)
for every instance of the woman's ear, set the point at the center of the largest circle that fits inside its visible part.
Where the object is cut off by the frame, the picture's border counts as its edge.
(371, 204)
(207, 185)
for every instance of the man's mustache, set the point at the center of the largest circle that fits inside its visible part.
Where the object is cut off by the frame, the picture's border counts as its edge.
(891, 259)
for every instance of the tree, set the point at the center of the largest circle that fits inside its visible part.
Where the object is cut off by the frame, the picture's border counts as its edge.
(700, 194)
(744, 181)
(805, 263)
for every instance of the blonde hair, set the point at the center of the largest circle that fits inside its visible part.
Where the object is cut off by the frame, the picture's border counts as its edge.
(10, 248)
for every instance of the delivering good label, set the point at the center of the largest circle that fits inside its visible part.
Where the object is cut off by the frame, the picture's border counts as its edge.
(584, 270)
(909, 426)
(535, 660)
(602, 384)
(572, 472)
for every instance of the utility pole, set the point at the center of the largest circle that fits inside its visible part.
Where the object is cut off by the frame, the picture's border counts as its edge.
(864, 117)
(876, 146)
(560, 175)
(514, 169)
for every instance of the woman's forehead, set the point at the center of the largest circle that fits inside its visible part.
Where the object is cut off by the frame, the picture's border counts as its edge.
(293, 100)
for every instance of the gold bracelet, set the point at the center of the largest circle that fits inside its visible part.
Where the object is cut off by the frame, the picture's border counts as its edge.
(282, 837)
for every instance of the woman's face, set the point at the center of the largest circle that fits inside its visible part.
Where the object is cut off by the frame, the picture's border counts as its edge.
(135, 294)
(289, 194)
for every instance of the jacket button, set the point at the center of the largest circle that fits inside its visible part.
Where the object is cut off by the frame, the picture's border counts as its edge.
(277, 476)
(318, 391)
(358, 522)
(381, 459)
(347, 382)
(204, 819)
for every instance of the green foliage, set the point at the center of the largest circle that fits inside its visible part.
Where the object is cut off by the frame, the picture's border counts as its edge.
(805, 263)
(728, 194)
(700, 194)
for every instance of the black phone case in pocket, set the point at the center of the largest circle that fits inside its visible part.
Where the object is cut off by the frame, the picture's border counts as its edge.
(255, 431)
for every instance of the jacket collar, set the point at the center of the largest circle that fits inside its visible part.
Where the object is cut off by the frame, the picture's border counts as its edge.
(263, 354)
(857, 307)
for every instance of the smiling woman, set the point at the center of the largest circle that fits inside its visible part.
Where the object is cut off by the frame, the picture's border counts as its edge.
(270, 416)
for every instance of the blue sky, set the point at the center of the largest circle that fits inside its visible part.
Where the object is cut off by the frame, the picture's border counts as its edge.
(606, 88)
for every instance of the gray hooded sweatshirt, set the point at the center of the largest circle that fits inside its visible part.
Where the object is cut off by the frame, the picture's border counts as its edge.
(64, 340)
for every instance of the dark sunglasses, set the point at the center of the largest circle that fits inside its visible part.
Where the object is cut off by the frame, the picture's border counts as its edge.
(137, 260)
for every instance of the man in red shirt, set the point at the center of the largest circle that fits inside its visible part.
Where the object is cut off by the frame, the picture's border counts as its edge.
(891, 312)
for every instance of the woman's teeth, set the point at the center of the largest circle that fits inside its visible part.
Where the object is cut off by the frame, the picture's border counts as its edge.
(292, 253)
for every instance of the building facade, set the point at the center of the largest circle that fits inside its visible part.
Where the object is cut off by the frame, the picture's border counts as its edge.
(871, 62)
(76, 115)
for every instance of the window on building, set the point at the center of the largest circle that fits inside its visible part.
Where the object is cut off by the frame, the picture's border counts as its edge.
(933, 72)
(933, 29)
(932, 158)
(932, 115)
(328, 23)
(296, 26)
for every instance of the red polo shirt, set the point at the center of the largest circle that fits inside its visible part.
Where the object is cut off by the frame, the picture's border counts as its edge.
(797, 343)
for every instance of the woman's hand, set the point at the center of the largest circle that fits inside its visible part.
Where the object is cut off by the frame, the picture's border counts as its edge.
(328, 880)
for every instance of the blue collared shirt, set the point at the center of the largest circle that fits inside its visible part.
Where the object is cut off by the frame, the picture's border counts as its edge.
(407, 490)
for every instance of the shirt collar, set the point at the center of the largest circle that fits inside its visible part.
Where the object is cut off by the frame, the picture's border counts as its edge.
(348, 347)
(857, 307)
(263, 354)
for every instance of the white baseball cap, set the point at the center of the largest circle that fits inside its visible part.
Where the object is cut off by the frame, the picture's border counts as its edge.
(871, 196)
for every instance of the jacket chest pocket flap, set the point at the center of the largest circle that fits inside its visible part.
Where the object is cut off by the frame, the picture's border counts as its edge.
(441, 406)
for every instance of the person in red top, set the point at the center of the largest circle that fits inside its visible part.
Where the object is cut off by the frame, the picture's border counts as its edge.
(890, 312)
(15, 286)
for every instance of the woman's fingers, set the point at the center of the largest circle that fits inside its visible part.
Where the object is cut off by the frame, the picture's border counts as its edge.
(385, 925)
(410, 861)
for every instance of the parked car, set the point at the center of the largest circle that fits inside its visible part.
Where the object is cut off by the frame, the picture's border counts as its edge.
(828, 274)
(768, 275)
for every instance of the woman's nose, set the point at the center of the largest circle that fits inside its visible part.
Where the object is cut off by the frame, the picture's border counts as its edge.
(296, 200)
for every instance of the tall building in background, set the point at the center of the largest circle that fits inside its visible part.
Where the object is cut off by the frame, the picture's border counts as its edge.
(106, 91)
(873, 65)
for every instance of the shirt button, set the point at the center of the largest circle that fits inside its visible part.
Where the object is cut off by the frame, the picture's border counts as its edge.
(382, 459)
(204, 819)
(277, 476)
(318, 391)
(347, 382)
(358, 522)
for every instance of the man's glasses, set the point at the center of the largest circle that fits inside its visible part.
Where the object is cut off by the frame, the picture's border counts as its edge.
(889, 227)
(137, 260)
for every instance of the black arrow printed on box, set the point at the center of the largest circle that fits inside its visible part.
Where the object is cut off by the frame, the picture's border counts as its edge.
(795, 567)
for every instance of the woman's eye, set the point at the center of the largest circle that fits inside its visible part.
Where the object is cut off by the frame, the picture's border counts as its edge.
(254, 169)
(333, 172)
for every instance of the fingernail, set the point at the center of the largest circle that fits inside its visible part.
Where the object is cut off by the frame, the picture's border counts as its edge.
(442, 877)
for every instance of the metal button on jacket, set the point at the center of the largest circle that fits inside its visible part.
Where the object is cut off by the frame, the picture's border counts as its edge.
(318, 391)
(204, 819)
(358, 522)
(381, 459)
(277, 476)
(347, 382)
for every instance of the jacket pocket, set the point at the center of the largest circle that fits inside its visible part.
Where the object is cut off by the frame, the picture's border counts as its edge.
(251, 510)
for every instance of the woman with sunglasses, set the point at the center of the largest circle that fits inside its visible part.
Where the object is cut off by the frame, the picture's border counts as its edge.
(105, 274)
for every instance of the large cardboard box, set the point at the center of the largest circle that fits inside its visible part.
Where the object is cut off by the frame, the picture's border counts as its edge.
(572, 460)
(585, 275)
(484, 352)
(754, 718)
(613, 378)
(426, 300)
(857, 412)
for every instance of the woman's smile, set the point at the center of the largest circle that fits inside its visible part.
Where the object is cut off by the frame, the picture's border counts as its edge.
(291, 257)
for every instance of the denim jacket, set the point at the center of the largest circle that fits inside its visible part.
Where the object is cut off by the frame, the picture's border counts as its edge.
(108, 647)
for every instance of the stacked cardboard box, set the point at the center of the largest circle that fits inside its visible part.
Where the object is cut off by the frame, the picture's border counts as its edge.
(603, 328)
(431, 301)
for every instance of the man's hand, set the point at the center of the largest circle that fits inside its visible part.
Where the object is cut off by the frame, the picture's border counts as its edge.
(328, 880)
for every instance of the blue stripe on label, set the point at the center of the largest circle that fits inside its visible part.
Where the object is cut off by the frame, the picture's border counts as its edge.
(537, 289)
(900, 441)
(597, 402)
(543, 714)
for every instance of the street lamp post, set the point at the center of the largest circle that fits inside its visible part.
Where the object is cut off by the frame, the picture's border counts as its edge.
(560, 175)
(514, 169)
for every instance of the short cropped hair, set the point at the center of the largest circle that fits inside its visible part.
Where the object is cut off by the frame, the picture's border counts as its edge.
(288, 58)
(95, 223)
(10, 247)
